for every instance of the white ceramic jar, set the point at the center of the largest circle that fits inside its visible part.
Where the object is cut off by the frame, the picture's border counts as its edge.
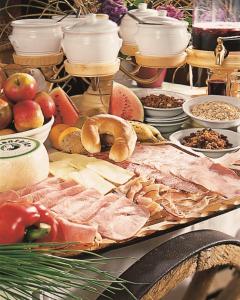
(69, 20)
(129, 27)
(33, 37)
(162, 36)
(93, 41)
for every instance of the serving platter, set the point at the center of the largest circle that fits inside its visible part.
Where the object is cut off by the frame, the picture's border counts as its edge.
(157, 225)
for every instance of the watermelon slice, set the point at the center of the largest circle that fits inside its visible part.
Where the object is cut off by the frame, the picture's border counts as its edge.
(66, 112)
(125, 104)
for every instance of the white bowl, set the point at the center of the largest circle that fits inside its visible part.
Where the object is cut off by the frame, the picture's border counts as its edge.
(160, 112)
(39, 134)
(212, 123)
(233, 138)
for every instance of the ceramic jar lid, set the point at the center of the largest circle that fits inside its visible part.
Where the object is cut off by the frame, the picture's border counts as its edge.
(93, 24)
(164, 21)
(142, 11)
(35, 23)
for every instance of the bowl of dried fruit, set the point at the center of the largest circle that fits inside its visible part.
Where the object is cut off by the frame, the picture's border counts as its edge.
(160, 104)
(214, 111)
(213, 143)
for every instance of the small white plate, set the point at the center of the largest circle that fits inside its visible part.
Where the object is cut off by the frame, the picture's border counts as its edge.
(233, 138)
(181, 117)
(167, 128)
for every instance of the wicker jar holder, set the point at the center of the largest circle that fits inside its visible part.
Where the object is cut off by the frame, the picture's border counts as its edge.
(128, 49)
(161, 62)
(38, 61)
(92, 70)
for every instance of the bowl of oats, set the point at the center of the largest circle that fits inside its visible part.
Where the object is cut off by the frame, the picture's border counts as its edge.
(214, 111)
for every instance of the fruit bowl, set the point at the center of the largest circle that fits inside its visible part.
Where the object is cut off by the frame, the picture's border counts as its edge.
(39, 134)
(233, 137)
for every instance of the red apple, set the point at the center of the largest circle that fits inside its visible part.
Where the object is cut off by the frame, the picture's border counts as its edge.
(27, 115)
(20, 87)
(46, 103)
(5, 114)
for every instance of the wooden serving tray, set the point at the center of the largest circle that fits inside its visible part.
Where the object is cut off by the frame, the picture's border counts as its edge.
(157, 226)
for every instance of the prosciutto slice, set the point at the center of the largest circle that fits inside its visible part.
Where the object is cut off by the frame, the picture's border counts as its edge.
(120, 219)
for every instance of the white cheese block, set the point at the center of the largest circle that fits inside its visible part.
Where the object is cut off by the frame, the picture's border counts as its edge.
(23, 162)
(90, 179)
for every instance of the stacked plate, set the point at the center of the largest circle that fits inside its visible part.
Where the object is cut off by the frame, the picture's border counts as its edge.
(166, 120)
(168, 124)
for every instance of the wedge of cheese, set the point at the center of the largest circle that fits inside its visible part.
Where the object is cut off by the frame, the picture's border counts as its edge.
(110, 171)
(90, 179)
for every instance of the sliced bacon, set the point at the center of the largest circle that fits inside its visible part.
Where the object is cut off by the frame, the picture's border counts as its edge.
(120, 219)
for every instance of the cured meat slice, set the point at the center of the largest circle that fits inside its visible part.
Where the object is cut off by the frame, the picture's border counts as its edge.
(213, 177)
(164, 177)
(53, 198)
(52, 183)
(73, 232)
(82, 207)
(120, 219)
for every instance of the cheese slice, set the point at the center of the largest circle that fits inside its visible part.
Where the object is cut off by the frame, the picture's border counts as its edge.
(61, 169)
(110, 171)
(23, 162)
(107, 170)
(90, 179)
(79, 161)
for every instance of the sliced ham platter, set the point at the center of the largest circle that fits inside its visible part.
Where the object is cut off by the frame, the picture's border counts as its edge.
(98, 203)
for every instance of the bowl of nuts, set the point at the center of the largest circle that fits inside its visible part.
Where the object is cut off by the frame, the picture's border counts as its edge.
(160, 104)
(214, 111)
(213, 143)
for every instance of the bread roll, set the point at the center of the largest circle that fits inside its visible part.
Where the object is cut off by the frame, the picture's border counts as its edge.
(124, 136)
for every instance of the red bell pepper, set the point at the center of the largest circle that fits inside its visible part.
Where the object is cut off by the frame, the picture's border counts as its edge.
(26, 222)
(47, 222)
(14, 219)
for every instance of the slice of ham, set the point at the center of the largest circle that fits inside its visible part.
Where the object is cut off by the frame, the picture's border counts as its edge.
(229, 160)
(163, 176)
(213, 177)
(73, 232)
(83, 206)
(54, 197)
(120, 219)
